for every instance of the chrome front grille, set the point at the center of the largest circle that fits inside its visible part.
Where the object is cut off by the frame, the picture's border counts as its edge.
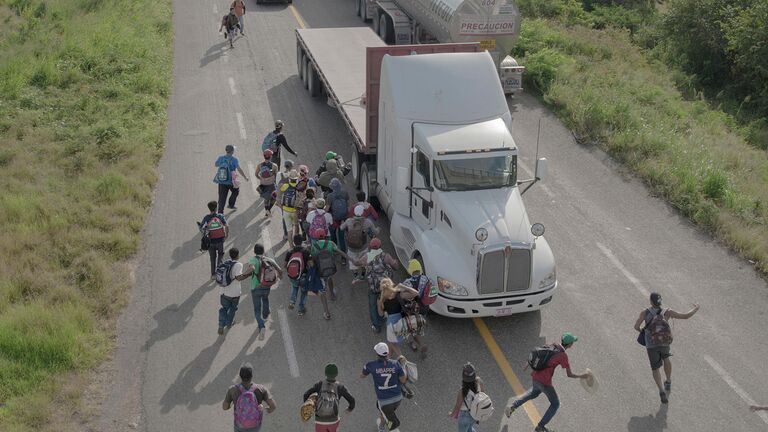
(501, 271)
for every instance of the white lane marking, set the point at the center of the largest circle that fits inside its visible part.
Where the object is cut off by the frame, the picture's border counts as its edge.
(241, 125)
(635, 281)
(732, 383)
(232, 88)
(215, 9)
(530, 174)
(252, 174)
(293, 364)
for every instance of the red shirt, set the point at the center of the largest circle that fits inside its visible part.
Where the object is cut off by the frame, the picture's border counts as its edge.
(545, 376)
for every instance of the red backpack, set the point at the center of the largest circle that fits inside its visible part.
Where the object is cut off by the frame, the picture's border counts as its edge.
(295, 267)
(216, 228)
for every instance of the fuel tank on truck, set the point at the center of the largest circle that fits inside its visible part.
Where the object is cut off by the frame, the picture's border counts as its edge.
(468, 21)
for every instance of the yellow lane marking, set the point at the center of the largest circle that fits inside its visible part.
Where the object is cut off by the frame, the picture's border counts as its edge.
(298, 17)
(506, 369)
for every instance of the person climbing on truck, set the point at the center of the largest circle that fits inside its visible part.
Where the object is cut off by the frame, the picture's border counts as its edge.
(275, 140)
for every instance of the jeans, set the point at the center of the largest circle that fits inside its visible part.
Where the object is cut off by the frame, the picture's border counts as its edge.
(225, 189)
(227, 310)
(242, 23)
(534, 392)
(466, 422)
(373, 310)
(216, 252)
(260, 298)
(337, 236)
(296, 285)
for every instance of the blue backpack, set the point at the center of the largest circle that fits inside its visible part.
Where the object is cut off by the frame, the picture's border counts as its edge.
(223, 174)
(339, 207)
(270, 142)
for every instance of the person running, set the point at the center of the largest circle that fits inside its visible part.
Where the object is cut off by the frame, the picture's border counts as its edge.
(214, 227)
(379, 265)
(230, 294)
(542, 381)
(226, 166)
(369, 212)
(424, 286)
(328, 393)
(297, 268)
(230, 23)
(239, 7)
(471, 384)
(264, 273)
(266, 172)
(323, 254)
(249, 399)
(275, 140)
(391, 303)
(319, 221)
(331, 172)
(338, 205)
(357, 230)
(280, 180)
(289, 202)
(656, 335)
(388, 378)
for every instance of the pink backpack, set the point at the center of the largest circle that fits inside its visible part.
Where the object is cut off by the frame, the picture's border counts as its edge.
(248, 412)
(318, 224)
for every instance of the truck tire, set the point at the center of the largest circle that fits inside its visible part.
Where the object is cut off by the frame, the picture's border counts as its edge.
(305, 67)
(300, 61)
(366, 185)
(386, 29)
(313, 82)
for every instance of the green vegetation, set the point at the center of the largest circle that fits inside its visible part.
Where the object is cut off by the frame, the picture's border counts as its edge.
(84, 86)
(612, 92)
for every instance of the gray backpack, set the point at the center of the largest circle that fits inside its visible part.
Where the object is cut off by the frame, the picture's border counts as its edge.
(328, 400)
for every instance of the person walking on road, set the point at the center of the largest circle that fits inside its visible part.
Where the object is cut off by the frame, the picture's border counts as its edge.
(239, 7)
(379, 265)
(319, 221)
(264, 273)
(424, 286)
(230, 23)
(338, 206)
(275, 140)
(323, 252)
(230, 294)
(331, 172)
(471, 385)
(391, 302)
(552, 356)
(297, 268)
(656, 336)
(356, 232)
(227, 167)
(388, 378)
(214, 227)
(328, 393)
(280, 180)
(249, 400)
(369, 212)
(288, 197)
(266, 172)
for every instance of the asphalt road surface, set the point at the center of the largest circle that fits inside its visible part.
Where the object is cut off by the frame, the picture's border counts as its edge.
(613, 243)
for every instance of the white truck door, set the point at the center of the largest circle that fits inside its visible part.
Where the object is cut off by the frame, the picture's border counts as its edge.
(422, 210)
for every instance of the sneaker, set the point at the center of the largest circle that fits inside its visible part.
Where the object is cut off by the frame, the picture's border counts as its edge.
(262, 332)
(291, 306)
(221, 331)
(232, 208)
(302, 312)
(667, 386)
(663, 396)
(510, 409)
(229, 327)
(543, 429)
(380, 425)
(265, 316)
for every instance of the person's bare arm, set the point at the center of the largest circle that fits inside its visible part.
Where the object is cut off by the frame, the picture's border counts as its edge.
(457, 406)
(380, 306)
(573, 375)
(640, 320)
(242, 173)
(271, 405)
(677, 315)
(407, 292)
(248, 272)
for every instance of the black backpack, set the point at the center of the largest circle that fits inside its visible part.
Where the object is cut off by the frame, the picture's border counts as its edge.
(224, 273)
(539, 357)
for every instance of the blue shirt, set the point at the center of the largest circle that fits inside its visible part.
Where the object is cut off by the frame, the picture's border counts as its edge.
(386, 379)
(231, 162)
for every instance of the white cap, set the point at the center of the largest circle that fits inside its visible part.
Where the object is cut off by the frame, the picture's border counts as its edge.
(381, 349)
(359, 210)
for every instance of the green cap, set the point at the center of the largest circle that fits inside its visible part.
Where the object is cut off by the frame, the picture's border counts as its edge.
(568, 338)
(330, 155)
(331, 371)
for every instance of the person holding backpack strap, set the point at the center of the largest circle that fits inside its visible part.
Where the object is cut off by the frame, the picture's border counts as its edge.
(264, 273)
(323, 252)
(297, 268)
(214, 228)
(542, 381)
(656, 335)
(357, 231)
(471, 385)
(249, 399)
(379, 265)
(226, 165)
(329, 392)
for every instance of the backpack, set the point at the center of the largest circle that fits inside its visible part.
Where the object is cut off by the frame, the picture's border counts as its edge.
(296, 264)
(540, 356)
(427, 291)
(248, 412)
(224, 273)
(375, 271)
(270, 142)
(339, 207)
(318, 223)
(410, 307)
(267, 274)
(356, 236)
(658, 328)
(327, 404)
(265, 170)
(326, 264)
(289, 197)
(481, 407)
(215, 228)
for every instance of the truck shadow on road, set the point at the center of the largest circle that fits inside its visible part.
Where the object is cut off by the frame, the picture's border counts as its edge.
(649, 423)
(174, 318)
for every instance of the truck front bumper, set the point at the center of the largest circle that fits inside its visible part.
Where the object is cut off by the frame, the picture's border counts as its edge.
(457, 307)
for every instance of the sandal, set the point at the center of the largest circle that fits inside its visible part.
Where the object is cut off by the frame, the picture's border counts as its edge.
(327, 316)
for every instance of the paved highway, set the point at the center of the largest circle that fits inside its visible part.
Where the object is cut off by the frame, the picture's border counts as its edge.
(614, 243)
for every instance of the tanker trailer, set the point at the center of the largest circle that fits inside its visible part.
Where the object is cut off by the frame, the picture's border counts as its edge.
(495, 24)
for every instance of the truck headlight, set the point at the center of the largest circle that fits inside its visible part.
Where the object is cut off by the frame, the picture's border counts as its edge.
(450, 287)
(549, 280)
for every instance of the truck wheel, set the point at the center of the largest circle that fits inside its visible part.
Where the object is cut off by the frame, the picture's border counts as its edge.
(366, 186)
(386, 29)
(313, 83)
(305, 67)
(300, 61)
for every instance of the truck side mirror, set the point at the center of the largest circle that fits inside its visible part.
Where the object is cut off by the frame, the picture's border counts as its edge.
(542, 169)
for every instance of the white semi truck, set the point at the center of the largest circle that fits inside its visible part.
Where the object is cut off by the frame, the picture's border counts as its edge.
(431, 142)
(495, 24)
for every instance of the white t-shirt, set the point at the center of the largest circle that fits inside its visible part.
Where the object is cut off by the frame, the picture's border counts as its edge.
(235, 289)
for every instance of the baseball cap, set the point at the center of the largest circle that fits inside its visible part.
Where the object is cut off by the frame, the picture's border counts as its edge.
(331, 371)
(381, 349)
(330, 155)
(656, 299)
(414, 266)
(267, 153)
(229, 148)
(568, 338)
(468, 374)
(359, 210)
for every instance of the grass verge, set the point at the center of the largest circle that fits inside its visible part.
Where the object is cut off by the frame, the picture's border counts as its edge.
(605, 89)
(84, 86)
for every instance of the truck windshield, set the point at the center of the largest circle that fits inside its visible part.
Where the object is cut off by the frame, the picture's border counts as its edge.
(476, 173)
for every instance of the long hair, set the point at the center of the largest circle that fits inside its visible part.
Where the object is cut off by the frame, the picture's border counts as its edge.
(388, 286)
(467, 386)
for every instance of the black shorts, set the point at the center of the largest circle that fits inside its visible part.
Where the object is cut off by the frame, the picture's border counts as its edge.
(656, 356)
